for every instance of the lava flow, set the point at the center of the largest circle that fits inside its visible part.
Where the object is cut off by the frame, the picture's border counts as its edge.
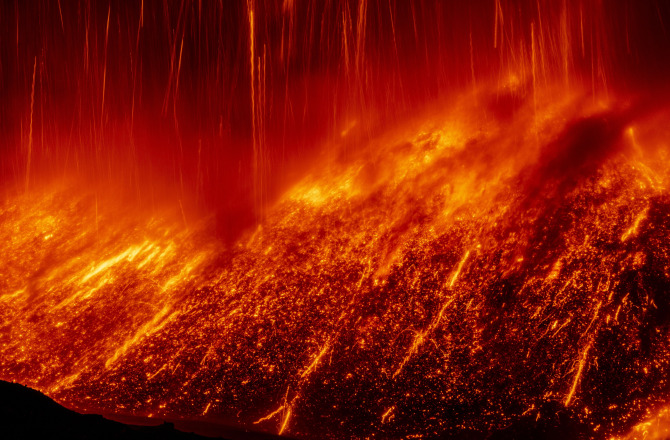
(488, 258)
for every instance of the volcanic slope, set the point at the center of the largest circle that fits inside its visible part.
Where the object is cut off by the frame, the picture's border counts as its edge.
(463, 274)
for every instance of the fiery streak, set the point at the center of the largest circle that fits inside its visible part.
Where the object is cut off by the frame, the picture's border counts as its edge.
(284, 424)
(316, 360)
(207, 408)
(454, 277)
(30, 130)
(636, 224)
(269, 416)
(580, 367)
(254, 122)
(104, 69)
(388, 414)
(498, 19)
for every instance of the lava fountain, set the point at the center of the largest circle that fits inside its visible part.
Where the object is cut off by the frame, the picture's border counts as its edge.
(366, 219)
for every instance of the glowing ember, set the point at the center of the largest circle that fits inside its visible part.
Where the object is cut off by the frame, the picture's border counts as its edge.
(497, 263)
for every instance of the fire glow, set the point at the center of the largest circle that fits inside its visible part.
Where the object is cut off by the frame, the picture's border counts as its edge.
(372, 219)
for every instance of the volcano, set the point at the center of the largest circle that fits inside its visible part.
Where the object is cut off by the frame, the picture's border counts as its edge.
(357, 220)
(524, 288)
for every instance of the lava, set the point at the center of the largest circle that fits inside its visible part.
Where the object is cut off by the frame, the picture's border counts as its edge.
(397, 315)
(426, 252)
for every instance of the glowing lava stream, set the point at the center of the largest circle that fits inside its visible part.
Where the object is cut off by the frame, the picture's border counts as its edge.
(531, 250)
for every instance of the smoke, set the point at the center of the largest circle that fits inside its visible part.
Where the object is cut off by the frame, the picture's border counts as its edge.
(578, 152)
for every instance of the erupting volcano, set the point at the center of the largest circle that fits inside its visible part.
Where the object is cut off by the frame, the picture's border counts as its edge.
(366, 219)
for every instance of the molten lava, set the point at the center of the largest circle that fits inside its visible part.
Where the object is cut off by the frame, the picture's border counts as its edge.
(490, 258)
(444, 280)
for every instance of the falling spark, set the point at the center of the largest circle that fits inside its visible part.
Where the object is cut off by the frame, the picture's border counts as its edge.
(30, 130)
(636, 224)
(388, 414)
(269, 416)
(580, 367)
(104, 70)
(454, 277)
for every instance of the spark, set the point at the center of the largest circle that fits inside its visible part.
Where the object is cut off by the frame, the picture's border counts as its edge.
(209, 404)
(454, 277)
(104, 70)
(636, 224)
(269, 416)
(580, 367)
(30, 131)
(284, 424)
(387, 416)
(316, 360)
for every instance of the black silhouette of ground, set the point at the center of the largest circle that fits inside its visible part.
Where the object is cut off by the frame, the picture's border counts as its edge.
(28, 414)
